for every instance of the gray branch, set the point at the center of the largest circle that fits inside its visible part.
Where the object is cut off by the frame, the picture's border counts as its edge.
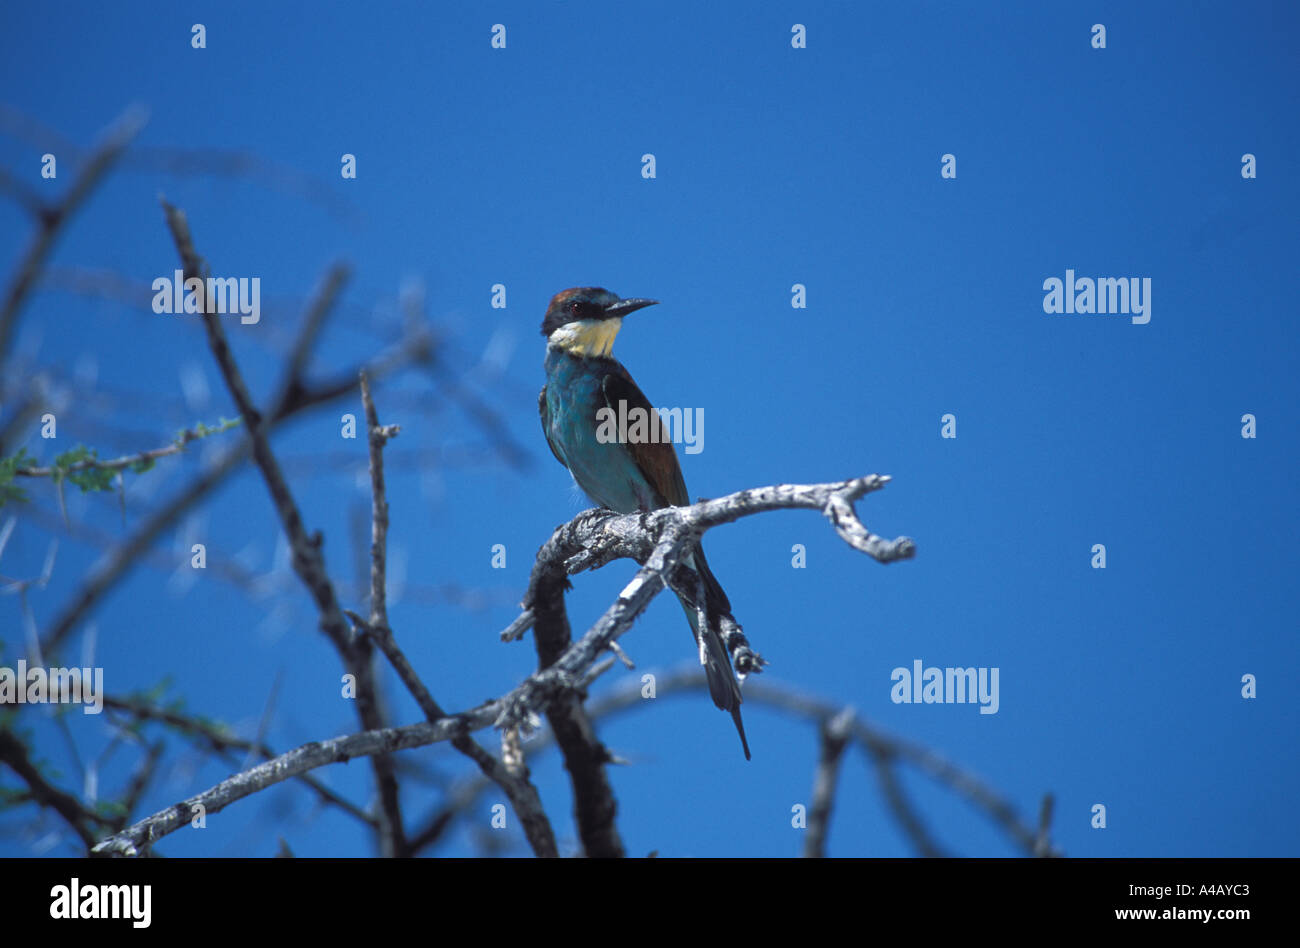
(13, 753)
(884, 749)
(308, 560)
(294, 399)
(595, 808)
(514, 782)
(835, 733)
(52, 219)
(660, 540)
(216, 738)
(597, 537)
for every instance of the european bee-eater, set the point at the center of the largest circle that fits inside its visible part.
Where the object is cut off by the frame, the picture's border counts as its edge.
(630, 474)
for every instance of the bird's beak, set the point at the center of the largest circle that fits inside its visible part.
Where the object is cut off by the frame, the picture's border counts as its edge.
(623, 307)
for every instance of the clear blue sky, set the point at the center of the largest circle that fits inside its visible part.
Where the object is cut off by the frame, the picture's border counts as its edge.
(775, 166)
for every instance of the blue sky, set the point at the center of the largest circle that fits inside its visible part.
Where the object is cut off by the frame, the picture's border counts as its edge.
(774, 166)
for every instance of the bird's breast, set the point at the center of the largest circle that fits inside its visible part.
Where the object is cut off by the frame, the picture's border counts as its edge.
(604, 469)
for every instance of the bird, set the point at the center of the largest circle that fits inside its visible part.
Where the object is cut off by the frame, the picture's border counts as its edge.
(628, 475)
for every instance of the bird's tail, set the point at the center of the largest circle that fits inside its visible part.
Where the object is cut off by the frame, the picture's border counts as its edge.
(723, 687)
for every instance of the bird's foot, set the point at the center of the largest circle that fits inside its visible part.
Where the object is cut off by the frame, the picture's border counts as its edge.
(748, 662)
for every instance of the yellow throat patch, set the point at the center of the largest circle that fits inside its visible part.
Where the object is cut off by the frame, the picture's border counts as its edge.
(587, 337)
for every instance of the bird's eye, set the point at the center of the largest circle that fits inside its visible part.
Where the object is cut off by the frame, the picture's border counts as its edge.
(574, 307)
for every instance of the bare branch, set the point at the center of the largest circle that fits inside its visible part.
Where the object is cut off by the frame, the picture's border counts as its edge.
(596, 537)
(487, 418)
(25, 195)
(144, 773)
(136, 839)
(109, 569)
(376, 438)
(835, 734)
(884, 747)
(513, 780)
(295, 400)
(313, 322)
(539, 689)
(523, 796)
(78, 816)
(462, 798)
(879, 744)
(220, 741)
(308, 561)
(594, 807)
(908, 819)
(589, 540)
(1043, 846)
(51, 221)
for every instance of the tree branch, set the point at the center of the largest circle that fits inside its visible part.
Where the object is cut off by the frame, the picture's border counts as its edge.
(308, 561)
(596, 537)
(222, 742)
(136, 839)
(660, 539)
(594, 806)
(294, 399)
(375, 440)
(76, 814)
(513, 781)
(140, 459)
(51, 220)
(1043, 846)
(835, 734)
(878, 744)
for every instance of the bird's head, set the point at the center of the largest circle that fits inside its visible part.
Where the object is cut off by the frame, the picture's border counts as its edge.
(584, 320)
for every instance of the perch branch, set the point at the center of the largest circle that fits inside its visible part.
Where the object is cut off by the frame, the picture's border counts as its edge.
(660, 540)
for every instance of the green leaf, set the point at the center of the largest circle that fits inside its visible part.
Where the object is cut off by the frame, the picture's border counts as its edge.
(9, 492)
(69, 458)
(88, 479)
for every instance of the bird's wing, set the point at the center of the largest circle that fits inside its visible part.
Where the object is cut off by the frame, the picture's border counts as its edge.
(655, 456)
(545, 414)
(657, 459)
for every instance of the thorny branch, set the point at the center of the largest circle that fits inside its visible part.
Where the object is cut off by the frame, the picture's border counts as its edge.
(219, 739)
(880, 746)
(129, 460)
(308, 560)
(14, 754)
(295, 397)
(659, 542)
(590, 539)
(51, 219)
(514, 782)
